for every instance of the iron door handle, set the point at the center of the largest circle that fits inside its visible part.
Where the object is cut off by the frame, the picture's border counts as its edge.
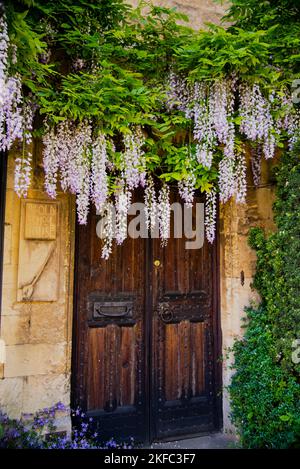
(165, 314)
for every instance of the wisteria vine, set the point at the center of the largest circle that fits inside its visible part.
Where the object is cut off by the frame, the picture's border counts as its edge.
(16, 114)
(81, 157)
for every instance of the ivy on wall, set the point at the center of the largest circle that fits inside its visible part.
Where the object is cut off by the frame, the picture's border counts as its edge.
(265, 389)
(127, 97)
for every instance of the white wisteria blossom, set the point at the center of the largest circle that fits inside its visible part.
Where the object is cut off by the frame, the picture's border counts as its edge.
(227, 177)
(164, 214)
(210, 215)
(204, 155)
(256, 157)
(22, 175)
(186, 188)
(151, 206)
(133, 159)
(83, 193)
(257, 122)
(122, 205)
(99, 183)
(23, 164)
(50, 162)
(11, 98)
(241, 178)
(108, 230)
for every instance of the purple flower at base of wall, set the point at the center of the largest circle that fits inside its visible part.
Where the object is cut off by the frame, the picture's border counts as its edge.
(38, 431)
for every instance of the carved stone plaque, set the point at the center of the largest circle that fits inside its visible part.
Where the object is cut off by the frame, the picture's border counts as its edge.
(40, 220)
(39, 248)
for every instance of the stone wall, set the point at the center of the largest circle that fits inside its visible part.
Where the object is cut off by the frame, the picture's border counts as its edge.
(237, 266)
(36, 317)
(199, 11)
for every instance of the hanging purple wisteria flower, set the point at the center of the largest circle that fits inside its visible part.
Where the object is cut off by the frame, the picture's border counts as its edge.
(83, 194)
(22, 174)
(23, 164)
(11, 100)
(11, 112)
(179, 94)
(227, 178)
(204, 155)
(210, 215)
(4, 43)
(151, 206)
(164, 214)
(240, 178)
(108, 230)
(204, 131)
(133, 159)
(256, 157)
(257, 122)
(99, 184)
(291, 120)
(50, 162)
(81, 153)
(123, 201)
(186, 188)
(221, 108)
(65, 152)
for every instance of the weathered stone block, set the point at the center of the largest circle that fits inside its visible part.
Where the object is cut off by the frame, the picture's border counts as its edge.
(7, 257)
(45, 391)
(9, 279)
(47, 323)
(15, 329)
(11, 396)
(35, 359)
(8, 301)
(265, 201)
(234, 299)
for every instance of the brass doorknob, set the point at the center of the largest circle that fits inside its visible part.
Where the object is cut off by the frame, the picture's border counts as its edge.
(156, 262)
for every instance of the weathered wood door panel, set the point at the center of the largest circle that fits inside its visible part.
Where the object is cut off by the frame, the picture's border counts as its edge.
(109, 356)
(146, 337)
(183, 383)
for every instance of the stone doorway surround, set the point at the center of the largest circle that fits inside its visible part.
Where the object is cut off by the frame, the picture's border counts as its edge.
(37, 303)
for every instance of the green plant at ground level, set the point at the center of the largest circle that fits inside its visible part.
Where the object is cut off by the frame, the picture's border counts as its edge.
(265, 398)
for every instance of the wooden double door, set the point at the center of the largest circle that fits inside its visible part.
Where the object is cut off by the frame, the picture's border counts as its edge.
(146, 337)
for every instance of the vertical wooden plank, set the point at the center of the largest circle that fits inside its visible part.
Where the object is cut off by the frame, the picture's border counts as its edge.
(96, 369)
(184, 347)
(172, 362)
(112, 379)
(127, 366)
(198, 358)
